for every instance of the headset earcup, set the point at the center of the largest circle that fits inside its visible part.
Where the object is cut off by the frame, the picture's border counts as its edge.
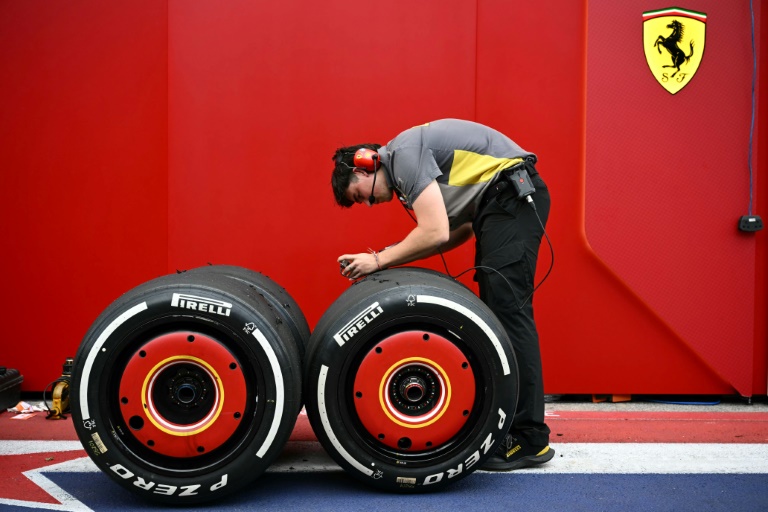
(365, 159)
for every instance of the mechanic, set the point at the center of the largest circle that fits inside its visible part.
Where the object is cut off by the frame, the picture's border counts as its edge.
(452, 174)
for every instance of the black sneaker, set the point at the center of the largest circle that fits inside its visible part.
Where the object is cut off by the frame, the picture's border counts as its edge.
(516, 453)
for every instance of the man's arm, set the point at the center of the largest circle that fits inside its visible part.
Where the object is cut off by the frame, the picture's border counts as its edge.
(430, 236)
(458, 236)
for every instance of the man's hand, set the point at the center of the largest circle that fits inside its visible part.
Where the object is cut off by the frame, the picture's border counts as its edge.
(358, 265)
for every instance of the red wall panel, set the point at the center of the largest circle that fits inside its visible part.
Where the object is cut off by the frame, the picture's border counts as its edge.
(600, 331)
(83, 187)
(260, 96)
(667, 180)
(146, 137)
(760, 359)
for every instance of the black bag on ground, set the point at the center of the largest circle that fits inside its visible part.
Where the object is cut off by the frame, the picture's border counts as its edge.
(10, 387)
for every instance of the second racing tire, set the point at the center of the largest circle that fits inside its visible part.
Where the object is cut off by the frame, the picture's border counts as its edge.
(410, 380)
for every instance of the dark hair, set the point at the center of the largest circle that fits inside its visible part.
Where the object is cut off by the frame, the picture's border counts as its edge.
(342, 175)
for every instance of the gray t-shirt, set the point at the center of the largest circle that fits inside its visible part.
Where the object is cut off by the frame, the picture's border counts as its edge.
(464, 157)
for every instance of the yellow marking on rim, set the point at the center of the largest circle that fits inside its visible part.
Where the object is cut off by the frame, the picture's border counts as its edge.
(211, 419)
(419, 360)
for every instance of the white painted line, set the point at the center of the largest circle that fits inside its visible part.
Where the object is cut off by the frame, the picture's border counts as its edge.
(67, 502)
(303, 457)
(24, 447)
(608, 458)
(83, 465)
(655, 458)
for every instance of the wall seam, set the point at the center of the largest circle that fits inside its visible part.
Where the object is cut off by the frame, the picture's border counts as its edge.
(477, 58)
(168, 135)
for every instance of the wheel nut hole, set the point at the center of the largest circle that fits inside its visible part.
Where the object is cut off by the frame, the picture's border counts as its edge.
(124, 400)
(136, 422)
(381, 436)
(150, 443)
(465, 365)
(404, 443)
(232, 366)
(190, 338)
(200, 449)
(426, 337)
(429, 444)
(237, 415)
(142, 354)
(466, 413)
(378, 350)
(359, 394)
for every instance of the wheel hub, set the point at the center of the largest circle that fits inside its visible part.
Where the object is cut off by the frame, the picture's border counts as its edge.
(182, 394)
(414, 391)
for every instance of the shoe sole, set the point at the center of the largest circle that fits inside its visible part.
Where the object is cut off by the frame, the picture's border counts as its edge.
(522, 462)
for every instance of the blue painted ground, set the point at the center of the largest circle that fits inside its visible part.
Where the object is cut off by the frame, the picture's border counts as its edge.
(337, 492)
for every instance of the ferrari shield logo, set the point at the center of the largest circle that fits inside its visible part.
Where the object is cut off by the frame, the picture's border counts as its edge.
(673, 41)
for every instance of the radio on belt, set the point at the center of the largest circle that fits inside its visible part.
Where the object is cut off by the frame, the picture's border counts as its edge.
(522, 183)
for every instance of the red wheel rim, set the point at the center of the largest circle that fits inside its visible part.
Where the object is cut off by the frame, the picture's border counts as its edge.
(182, 394)
(414, 391)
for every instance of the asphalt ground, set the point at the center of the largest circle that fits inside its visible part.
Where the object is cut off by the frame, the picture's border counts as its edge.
(637, 455)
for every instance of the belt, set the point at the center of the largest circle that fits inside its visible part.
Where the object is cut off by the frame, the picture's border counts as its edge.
(503, 182)
(494, 190)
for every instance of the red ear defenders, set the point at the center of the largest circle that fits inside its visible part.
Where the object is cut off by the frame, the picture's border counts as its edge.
(366, 159)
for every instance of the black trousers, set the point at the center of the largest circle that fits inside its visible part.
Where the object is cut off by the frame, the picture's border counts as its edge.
(508, 236)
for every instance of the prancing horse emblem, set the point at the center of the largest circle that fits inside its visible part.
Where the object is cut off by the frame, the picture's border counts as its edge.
(673, 42)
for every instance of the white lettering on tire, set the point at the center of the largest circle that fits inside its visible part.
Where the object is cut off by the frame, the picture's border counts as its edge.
(470, 461)
(165, 489)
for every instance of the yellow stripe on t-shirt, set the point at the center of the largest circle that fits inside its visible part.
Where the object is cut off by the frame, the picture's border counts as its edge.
(470, 168)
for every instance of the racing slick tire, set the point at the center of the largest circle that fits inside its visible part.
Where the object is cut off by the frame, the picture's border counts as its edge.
(283, 304)
(410, 380)
(186, 388)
